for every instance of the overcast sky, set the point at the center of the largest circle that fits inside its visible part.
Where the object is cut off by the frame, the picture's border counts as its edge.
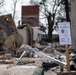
(8, 9)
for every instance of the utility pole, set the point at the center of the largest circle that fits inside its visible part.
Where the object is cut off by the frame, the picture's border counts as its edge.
(67, 10)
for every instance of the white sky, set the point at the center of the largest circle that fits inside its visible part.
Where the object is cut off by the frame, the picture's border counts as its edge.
(8, 8)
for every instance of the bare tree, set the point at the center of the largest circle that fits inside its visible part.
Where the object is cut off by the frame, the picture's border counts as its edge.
(1, 2)
(52, 10)
(1, 5)
(14, 7)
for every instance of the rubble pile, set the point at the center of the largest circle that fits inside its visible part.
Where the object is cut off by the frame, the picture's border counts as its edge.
(23, 46)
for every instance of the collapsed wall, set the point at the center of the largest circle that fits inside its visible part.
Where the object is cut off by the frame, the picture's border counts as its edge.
(9, 37)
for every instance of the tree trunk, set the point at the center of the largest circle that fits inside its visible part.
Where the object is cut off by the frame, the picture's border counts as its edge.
(67, 10)
(50, 27)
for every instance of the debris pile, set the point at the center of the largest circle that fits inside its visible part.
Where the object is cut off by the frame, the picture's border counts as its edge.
(24, 46)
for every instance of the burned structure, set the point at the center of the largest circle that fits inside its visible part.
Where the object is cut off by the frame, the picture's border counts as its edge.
(9, 37)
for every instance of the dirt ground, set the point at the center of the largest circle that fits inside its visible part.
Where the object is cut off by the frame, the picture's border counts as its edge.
(24, 69)
(50, 73)
(20, 70)
(17, 70)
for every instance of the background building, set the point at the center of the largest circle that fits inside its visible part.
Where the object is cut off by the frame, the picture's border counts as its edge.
(30, 15)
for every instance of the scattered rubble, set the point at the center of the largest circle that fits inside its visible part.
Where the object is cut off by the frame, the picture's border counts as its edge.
(23, 47)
